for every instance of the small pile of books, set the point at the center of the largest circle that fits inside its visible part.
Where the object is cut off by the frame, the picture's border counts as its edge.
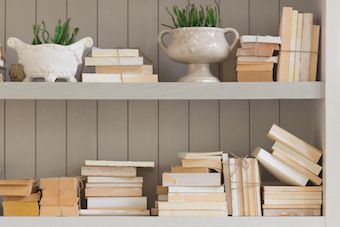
(20, 197)
(195, 188)
(292, 201)
(300, 46)
(118, 66)
(255, 58)
(242, 186)
(60, 197)
(2, 57)
(113, 188)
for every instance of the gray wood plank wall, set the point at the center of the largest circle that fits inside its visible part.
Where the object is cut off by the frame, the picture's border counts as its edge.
(53, 138)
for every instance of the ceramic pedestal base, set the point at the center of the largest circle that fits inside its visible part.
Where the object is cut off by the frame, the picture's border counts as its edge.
(199, 73)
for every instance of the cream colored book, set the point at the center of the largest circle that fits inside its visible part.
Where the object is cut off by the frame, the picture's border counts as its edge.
(118, 203)
(279, 169)
(306, 46)
(211, 164)
(114, 185)
(122, 69)
(298, 206)
(292, 202)
(246, 188)
(197, 197)
(298, 48)
(292, 195)
(251, 186)
(292, 189)
(293, 40)
(185, 155)
(313, 66)
(210, 189)
(227, 182)
(101, 78)
(108, 171)
(35, 197)
(260, 39)
(99, 52)
(162, 197)
(113, 192)
(120, 163)
(254, 60)
(115, 179)
(191, 179)
(180, 169)
(204, 158)
(131, 78)
(236, 186)
(193, 213)
(291, 212)
(115, 212)
(161, 190)
(109, 61)
(258, 199)
(192, 205)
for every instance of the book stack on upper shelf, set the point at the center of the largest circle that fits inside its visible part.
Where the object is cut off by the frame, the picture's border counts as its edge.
(20, 197)
(113, 188)
(60, 197)
(299, 48)
(119, 66)
(256, 58)
(195, 188)
(242, 186)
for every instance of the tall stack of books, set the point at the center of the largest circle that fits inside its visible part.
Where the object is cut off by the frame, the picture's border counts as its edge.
(242, 186)
(195, 188)
(113, 188)
(255, 58)
(60, 197)
(20, 197)
(300, 46)
(119, 66)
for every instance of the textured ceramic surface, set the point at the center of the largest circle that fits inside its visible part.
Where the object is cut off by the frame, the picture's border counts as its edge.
(50, 61)
(198, 47)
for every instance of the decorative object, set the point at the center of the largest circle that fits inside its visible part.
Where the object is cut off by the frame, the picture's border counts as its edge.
(197, 41)
(17, 73)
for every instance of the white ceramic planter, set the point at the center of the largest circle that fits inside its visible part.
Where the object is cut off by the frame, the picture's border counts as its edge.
(50, 61)
(198, 47)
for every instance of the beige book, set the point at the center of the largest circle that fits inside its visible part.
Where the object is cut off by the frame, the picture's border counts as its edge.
(121, 69)
(293, 40)
(99, 52)
(264, 67)
(282, 171)
(251, 186)
(246, 187)
(258, 199)
(236, 186)
(154, 211)
(301, 160)
(306, 46)
(285, 33)
(292, 212)
(292, 195)
(211, 164)
(113, 192)
(209, 189)
(204, 158)
(56, 197)
(298, 48)
(115, 212)
(20, 208)
(227, 182)
(106, 171)
(134, 78)
(23, 182)
(101, 78)
(191, 179)
(180, 169)
(162, 197)
(256, 76)
(308, 151)
(160, 190)
(256, 60)
(254, 52)
(313, 66)
(117, 203)
(136, 164)
(272, 46)
(296, 206)
(292, 202)
(292, 189)
(62, 183)
(192, 206)
(113, 61)
(184, 155)
(115, 179)
(114, 185)
(57, 211)
(15, 190)
(193, 213)
(313, 178)
(35, 197)
(197, 197)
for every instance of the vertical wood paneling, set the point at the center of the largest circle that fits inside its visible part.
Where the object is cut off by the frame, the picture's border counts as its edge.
(143, 19)
(81, 134)
(173, 132)
(143, 142)
(264, 17)
(112, 23)
(234, 127)
(51, 138)
(112, 130)
(305, 6)
(204, 126)
(20, 139)
(51, 11)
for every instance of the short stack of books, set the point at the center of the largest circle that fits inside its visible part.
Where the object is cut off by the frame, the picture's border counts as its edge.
(113, 188)
(60, 197)
(118, 66)
(300, 46)
(195, 188)
(242, 186)
(20, 197)
(255, 58)
(292, 201)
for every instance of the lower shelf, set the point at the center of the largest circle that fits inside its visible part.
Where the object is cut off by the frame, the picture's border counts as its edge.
(164, 221)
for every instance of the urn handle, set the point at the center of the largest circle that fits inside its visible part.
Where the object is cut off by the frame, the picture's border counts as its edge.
(161, 41)
(236, 37)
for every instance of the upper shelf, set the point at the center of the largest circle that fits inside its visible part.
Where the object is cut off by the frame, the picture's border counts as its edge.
(161, 91)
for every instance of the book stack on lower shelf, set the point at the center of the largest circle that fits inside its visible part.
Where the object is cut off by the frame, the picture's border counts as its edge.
(20, 197)
(195, 188)
(60, 197)
(113, 188)
(118, 66)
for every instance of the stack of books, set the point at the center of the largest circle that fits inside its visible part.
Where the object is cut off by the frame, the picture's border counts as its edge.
(300, 46)
(20, 197)
(60, 197)
(255, 58)
(195, 188)
(292, 201)
(242, 186)
(113, 188)
(119, 66)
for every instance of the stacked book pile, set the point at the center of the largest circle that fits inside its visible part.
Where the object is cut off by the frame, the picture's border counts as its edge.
(242, 186)
(60, 197)
(255, 58)
(195, 188)
(20, 197)
(292, 201)
(300, 46)
(2, 57)
(119, 66)
(113, 188)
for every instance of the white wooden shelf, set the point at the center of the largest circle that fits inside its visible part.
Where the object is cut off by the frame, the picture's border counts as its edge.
(161, 91)
(165, 221)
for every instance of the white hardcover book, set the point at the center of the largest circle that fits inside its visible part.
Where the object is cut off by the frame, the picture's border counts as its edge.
(114, 185)
(104, 212)
(114, 179)
(90, 61)
(118, 203)
(260, 39)
(274, 59)
(99, 52)
(192, 205)
(298, 48)
(101, 78)
(234, 186)
(293, 40)
(191, 179)
(119, 163)
(193, 154)
(257, 188)
(196, 189)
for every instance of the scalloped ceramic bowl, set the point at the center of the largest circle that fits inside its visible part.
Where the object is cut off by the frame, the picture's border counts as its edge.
(50, 61)
(198, 47)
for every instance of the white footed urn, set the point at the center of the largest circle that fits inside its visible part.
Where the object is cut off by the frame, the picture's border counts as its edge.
(198, 47)
(50, 61)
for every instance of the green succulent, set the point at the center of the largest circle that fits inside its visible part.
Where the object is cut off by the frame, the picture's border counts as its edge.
(195, 16)
(62, 34)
